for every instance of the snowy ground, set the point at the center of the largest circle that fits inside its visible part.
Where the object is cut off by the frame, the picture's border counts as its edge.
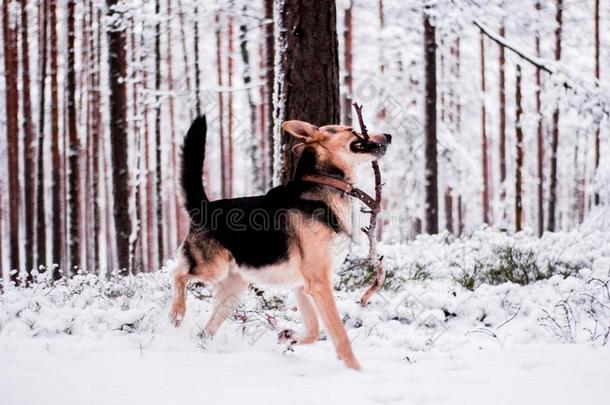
(450, 330)
(73, 370)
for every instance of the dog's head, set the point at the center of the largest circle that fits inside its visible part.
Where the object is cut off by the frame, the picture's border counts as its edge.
(337, 145)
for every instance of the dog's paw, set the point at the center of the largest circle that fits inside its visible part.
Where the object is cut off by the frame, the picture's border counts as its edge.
(287, 336)
(176, 314)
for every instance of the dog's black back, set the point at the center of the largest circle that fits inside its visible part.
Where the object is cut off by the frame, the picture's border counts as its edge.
(256, 229)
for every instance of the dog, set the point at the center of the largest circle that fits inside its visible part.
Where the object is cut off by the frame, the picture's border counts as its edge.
(285, 238)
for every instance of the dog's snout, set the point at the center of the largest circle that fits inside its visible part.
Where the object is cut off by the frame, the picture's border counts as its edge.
(388, 138)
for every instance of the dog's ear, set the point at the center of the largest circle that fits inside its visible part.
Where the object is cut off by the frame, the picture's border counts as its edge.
(300, 129)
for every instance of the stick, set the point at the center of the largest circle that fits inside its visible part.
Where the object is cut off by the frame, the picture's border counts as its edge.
(374, 259)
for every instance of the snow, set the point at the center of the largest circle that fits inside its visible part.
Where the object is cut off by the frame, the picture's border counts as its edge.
(71, 370)
(424, 339)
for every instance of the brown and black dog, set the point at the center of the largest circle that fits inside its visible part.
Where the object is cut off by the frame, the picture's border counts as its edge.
(285, 238)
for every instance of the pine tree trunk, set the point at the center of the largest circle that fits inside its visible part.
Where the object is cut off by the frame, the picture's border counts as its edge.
(307, 75)
(29, 146)
(597, 76)
(56, 175)
(159, 147)
(502, 129)
(96, 133)
(41, 221)
(449, 209)
(270, 83)
(539, 138)
(230, 50)
(519, 165)
(74, 151)
(348, 61)
(196, 57)
(263, 153)
(11, 69)
(11, 73)
(151, 258)
(551, 223)
(117, 63)
(258, 167)
(484, 151)
(223, 156)
(431, 176)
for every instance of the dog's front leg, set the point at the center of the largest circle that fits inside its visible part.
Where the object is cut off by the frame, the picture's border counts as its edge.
(321, 291)
(229, 292)
(311, 325)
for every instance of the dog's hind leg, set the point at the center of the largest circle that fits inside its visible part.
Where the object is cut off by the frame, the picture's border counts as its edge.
(309, 316)
(229, 292)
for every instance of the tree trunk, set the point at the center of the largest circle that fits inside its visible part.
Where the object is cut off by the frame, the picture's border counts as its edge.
(56, 175)
(307, 74)
(117, 63)
(348, 60)
(539, 137)
(159, 147)
(519, 165)
(431, 175)
(230, 50)
(484, 152)
(597, 76)
(223, 157)
(96, 133)
(11, 73)
(41, 221)
(263, 153)
(551, 223)
(74, 151)
(502, 130)
(270, 81)
(196, 57)
(449, 209)
(257, 166)
(29, 146)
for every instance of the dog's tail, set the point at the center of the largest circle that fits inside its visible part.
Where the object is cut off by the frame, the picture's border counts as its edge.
(193, 154)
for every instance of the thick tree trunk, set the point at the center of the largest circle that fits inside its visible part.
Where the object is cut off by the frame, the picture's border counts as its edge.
(74, 151)
(551, 223)
(431, 175)
(117, 63)
(519, 164)
(11, 69)
(29, 145)
(307, 75)
(484, 151)
(41, 221)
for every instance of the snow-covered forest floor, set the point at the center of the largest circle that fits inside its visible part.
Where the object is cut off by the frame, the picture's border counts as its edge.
(488, 318)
